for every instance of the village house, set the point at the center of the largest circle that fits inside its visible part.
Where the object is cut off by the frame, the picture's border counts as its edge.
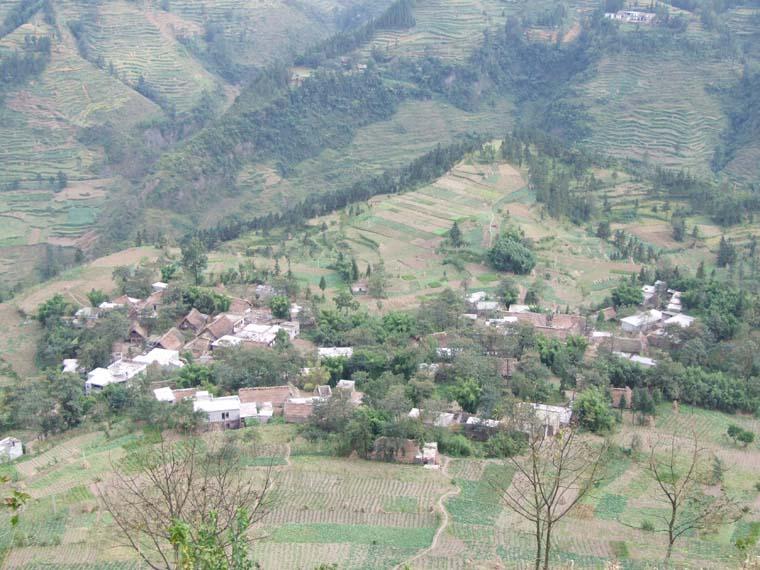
(361, 287)
(199, 347)
(324, 391)
(137, 334)
(609, 313)
(227, 341)
(70, 366)
(486, 307)
(641, 322)
(85, 316)
(516, 308)
(223, 325)
(194, 321)
(10, 449)
(632, 16)
(160, 357)
(251, 413)
(335, 352)
(152, 303)
(265, 292)
(239, 306)
(221, 413)
(275, 396)
(164, 394)
(475, 297)
(502, 322)
(552, 325)
(117, 372)
(173, 339)
(298, 410)
(429, 455)
(551, 418)
(348, 387)
(397, 450)
(644, 361)
(681, 320)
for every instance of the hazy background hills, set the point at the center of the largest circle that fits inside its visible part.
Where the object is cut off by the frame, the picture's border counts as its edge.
(126, 122)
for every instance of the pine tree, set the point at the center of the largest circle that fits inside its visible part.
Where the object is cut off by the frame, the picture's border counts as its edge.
(726, 253)
(455, 235)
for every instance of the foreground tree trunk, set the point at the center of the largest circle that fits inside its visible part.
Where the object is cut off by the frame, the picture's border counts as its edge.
(550, 479)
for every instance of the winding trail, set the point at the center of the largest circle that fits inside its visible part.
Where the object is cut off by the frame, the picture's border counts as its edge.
(441, 508)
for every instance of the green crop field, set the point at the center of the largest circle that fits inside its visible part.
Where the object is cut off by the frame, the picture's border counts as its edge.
(361, 514)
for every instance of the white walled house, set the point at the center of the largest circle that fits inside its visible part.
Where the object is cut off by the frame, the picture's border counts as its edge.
(10, 449)
(161, 357)
(336, 351)
(641, 322)
(221, 413)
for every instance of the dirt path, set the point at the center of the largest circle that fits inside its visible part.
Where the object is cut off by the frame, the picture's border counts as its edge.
(490, 229)
(441, 508)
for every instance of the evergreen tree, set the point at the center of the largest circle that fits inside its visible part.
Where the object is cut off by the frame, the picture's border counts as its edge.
(455, 235)
(604, 231)
(726, 252)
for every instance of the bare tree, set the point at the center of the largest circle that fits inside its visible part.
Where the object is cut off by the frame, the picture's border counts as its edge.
(681, 474)
(550, 479)
(199, 484)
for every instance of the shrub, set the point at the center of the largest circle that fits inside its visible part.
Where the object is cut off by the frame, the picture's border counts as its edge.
(505, 444)
(455, 445)
(510, 253)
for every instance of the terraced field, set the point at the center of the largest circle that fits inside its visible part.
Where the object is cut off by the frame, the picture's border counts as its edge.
(414, 130)
(659, 110)
(360, 514)
(446, 28)
(260, 31)
(406, 231)
(356, 513)
(122, 35)
(452, 29)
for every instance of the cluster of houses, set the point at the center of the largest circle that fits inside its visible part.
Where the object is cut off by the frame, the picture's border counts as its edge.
(196, 333)
(551, 325)
(259, 405)
(245, 325)
(632, 16)
(529, 417)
